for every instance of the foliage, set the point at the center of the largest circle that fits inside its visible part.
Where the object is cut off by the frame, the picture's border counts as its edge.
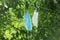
(12, 15)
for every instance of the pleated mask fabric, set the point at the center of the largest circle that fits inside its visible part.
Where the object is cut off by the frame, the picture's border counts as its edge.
(35, 18)
(27, 21)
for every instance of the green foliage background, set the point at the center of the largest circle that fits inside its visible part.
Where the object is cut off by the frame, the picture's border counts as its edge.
(11, 20)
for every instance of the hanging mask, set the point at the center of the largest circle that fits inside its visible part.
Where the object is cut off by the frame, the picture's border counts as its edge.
(35, 18)
(27, 21)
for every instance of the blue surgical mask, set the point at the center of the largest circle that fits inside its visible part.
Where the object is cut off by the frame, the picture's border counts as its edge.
(27, 21)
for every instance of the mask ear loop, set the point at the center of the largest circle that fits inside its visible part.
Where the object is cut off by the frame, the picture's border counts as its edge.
(26, 6)
(35, 7)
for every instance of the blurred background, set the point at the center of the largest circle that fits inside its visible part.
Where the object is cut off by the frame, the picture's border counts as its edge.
(12, 25)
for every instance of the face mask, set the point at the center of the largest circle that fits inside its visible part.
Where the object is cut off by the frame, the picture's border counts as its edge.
(27, 21)
(35, 18)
